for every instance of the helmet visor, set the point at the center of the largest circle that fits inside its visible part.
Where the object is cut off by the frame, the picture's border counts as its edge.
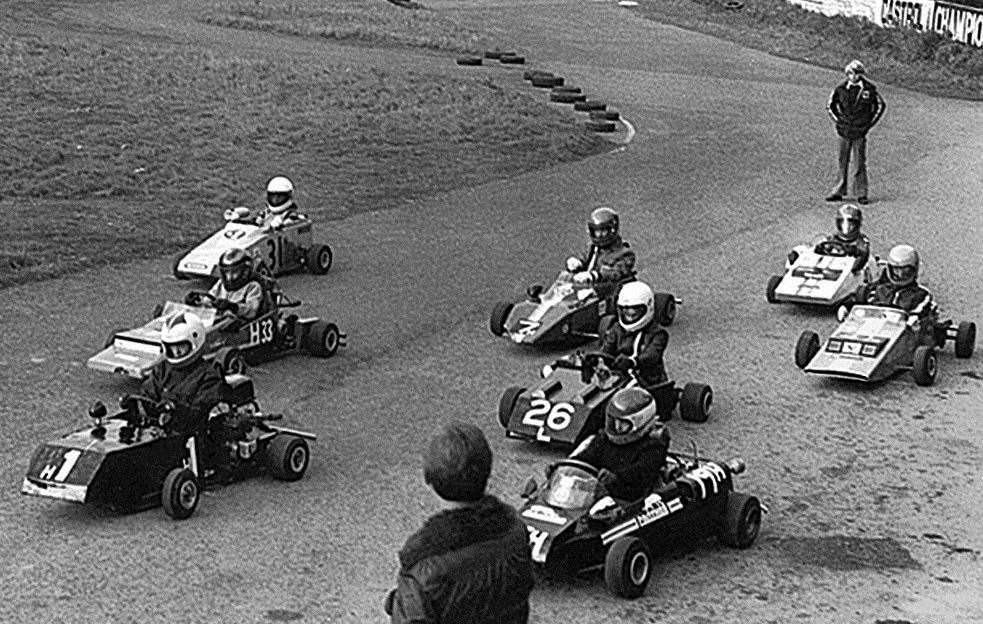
(177, 350)
(846, 226)
(901, 274)
(631, 314)
(234, 276)
(620, 426)
(276, 200)
(600, 230)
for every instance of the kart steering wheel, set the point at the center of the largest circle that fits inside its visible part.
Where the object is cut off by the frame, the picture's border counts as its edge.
(129, 404)
(590, 362)
(576, 463)
(831, 248)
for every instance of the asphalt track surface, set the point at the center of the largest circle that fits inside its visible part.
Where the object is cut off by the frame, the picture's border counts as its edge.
(873, 491)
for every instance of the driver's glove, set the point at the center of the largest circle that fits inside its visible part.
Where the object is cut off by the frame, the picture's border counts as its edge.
(574, 264)
(624, 363)
(606, 478)
(224, 305)
(192, 299)
(584, 277)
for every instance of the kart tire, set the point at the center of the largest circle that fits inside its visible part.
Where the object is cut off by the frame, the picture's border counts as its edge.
(500, 314)
(180, 493)
(512, 59)
(601, 126)
(589, 105)
(566, 89)
(469, 60)
(229, 361)
(773, 283)
(157, 311)
(323, 339)
(665, 308)
(288, 457)
(741, 522)
(965, 339)
(546, 82)
(628, 567)
(696, 402)
(605, 324)
(565, 97)
(925, 366)
(507, 403)
(530, 73)
(318, 259)
(497, 54)
(605, 115)
(806, 348)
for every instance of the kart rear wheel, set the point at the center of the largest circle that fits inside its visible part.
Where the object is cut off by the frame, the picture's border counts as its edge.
(665, 308)
(323, 339)
(288, 457)
(500, 314)
(507, 403)
(696, 402)
(318, 259)
(806, 348)
(925, 366)
(742, 520)
(229, 361)
(628, 567)
(180, 493)
(157, 311)
(965, 339)
(773, 283)
(605, 324)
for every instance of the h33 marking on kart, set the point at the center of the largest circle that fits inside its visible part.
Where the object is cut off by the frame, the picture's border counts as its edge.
(261, 331)
(544, 415)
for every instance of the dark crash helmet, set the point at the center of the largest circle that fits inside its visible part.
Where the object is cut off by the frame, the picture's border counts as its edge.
(630, 415)
(236, 267)
(603, 226)
(902, 265)
(849, 218)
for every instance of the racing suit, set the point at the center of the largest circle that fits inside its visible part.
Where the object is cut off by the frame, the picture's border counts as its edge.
(194, 390)
(913, 298)
(646, 346)
(636, 466)
(609, 265)
(858, 248)
(249, 298)
(278, 220)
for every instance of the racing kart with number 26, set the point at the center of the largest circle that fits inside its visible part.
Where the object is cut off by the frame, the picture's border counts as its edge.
(133, 461)
(568, 405)
(231, 343)
(566, 311)
(574, 527)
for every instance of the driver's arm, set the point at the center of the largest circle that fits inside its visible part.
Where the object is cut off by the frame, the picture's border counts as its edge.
(616, 267)
(609, 342)
(861, 249)
(215, 290)
(210, 391)
(639, 474)
(651, 355)
(249, 298)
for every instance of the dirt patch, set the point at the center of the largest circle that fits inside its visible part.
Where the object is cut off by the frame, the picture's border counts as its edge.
(843, 552)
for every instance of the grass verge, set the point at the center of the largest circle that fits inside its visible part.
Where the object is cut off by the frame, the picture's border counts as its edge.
(926, 62)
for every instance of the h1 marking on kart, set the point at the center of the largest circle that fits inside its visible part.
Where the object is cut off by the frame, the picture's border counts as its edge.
(261, 332)
(557, 417)
(537, 539)
(52, 472)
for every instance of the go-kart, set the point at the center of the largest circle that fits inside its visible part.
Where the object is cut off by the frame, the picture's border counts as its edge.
(568, 405)
(566, 311)
(874, 342)
(275, 248)
(574, 527)
(132, 460)
(231, 342)
(820, 274)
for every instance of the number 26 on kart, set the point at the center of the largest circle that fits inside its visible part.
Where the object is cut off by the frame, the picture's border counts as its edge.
(543, 414)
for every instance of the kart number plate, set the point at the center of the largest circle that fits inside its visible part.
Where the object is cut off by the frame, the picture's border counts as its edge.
(544, 415)
(60, 471)
(261, 332)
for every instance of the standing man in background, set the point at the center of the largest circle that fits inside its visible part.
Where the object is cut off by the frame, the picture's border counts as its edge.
(855, 107)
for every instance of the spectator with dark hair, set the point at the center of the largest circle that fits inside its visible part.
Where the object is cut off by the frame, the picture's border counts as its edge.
(470, 562)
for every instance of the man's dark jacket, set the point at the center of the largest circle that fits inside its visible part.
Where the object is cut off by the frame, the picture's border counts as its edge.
(647, 350)
(465, 566)
(855, 109)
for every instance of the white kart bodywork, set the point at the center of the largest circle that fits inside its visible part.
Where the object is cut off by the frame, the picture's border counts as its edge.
(819, 279)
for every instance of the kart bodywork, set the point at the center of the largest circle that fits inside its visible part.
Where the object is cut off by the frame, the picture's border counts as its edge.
(812, 278)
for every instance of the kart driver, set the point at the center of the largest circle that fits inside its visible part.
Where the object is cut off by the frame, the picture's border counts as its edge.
(608, 260)
(280, 205)
(239, 290)
(637, 343)
(898, 284)
(849, 218)
(191, 385)
(630, 451)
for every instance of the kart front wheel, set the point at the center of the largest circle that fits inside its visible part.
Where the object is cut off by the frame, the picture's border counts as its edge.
(318, 259)
(507, 403)
(288, 457)
(806, 348)
(965, 339)
(665, 308)
(180, 493)
(773, 283)
(500, 314)
(628, 567)
(925, 366)
(742, 520)
(323, 339)
(229, 361)
(696, 402)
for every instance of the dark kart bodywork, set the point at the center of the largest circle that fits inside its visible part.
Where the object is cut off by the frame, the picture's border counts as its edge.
(574, 527)
(283, 249)
(124, 461)
(230, 342)
(568, 405)
(873, 343)
(566, 311)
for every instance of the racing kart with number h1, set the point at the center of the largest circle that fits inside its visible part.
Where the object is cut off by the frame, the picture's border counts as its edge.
(574, 527)
(820, 274)
(231, 342)
(874, 342)
(566, 311)
(274, 250)
(568, 405)
(133, 461)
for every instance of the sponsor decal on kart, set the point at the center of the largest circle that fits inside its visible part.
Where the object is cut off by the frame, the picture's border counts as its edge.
(653, 509)
(544, 514)
(234, 234)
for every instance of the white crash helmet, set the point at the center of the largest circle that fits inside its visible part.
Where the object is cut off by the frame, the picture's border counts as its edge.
(636, 306)
(902, 265)
(182, 339)
(279, 194)
(630, 415)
